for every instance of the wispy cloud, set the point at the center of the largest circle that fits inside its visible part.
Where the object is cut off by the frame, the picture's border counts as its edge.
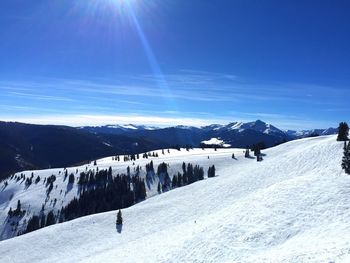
(200, 95)
(38, 96)
(82, 120)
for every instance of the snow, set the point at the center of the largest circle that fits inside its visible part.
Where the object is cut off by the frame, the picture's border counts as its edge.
(292, 207)
(107, 144)
(129, 126)
(236, 125)
(216, 141)
(33, 197)
(258, 125)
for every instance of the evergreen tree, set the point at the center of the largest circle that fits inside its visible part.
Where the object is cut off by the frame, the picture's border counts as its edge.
(37, 180)
(71, 179)
(179, 180)
(211, 171)
(174, 181)
(33, 224)
(346, 158)
(119, 218)
(246, 155)
(42, 220)
(184, 168)
(343, 131)
(18, 209)
(158, 188)
(50, 219)
(10, 213)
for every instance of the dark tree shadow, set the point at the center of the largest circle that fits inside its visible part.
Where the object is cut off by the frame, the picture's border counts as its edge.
(150, 177)
(119, 228)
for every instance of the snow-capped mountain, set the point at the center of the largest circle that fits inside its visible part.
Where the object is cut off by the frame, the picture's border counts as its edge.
(283, 209)
(310, 133)
(118, 128)
(258, 125)
(22, 145)
(238, 134)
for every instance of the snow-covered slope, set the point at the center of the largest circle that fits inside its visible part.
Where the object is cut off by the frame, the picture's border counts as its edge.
(292, 207)
(34, 197)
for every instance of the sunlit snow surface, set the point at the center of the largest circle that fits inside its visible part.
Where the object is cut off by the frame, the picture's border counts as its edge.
(216, 141)
(292, 207)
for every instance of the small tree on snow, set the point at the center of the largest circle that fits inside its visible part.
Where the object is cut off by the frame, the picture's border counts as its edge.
(71, 179)
(119, 218)
(246, 155)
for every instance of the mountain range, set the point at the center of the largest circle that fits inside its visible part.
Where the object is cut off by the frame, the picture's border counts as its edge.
(237, 134)
(29, 146)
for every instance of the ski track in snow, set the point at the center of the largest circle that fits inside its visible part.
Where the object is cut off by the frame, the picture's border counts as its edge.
(292, 207)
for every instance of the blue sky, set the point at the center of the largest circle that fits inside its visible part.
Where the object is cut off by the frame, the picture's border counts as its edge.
(166, 62)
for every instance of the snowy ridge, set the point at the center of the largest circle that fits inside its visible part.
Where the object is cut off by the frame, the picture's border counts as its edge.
(292, 207)
(130, 127)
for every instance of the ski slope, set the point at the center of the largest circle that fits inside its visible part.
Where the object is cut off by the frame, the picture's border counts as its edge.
(292, 207)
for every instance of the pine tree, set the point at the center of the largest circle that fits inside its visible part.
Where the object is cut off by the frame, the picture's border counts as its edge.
(119, 218)
(184, 168)
(71, 179)
(10, 213)
(346, 158)
(143, 191)
(174, 181)
(246, 155)
(42, 220)
(211, 171)
(343, 132)
(37, 180)
(50, 219)
(18, 209)
(158, 188)
(33, 224)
